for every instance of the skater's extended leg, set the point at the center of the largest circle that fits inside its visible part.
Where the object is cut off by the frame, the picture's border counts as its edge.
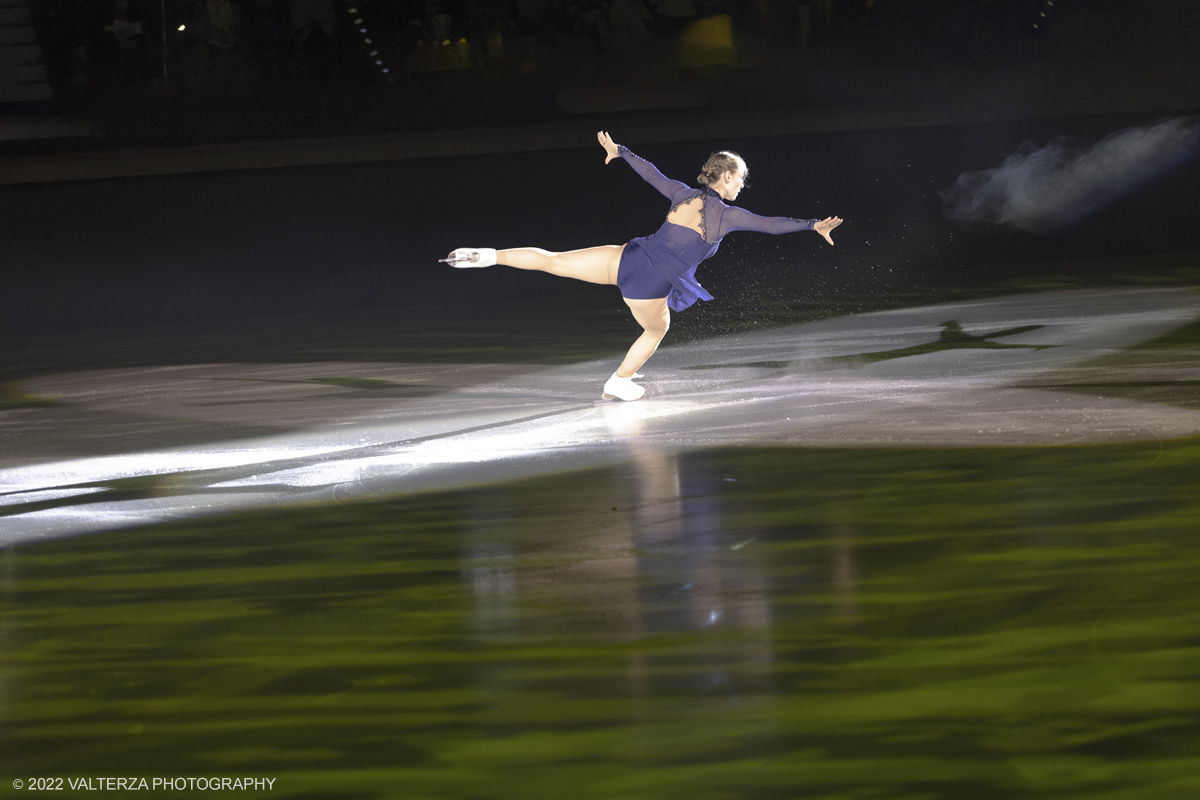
(592, 264)
(655, 318)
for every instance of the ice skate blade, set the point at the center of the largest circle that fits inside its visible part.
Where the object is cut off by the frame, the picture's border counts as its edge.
(608, 398)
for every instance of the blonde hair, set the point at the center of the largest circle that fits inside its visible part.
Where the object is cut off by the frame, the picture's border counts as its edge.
(718, 164)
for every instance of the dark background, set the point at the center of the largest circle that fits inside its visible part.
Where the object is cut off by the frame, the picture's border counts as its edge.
(343, 239)
(353, 237)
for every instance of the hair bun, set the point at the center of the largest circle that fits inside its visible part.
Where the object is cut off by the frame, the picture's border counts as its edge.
(718, 164)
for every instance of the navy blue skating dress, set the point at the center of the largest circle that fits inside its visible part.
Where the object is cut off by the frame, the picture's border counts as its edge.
(664, 263)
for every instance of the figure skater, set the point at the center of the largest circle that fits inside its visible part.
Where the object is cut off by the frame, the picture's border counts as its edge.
(656, 274)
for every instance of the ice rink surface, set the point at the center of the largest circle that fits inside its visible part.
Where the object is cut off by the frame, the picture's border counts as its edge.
(135, 446)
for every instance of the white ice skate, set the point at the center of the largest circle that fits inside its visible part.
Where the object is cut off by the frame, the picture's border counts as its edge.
(617, 388)
(467, 257)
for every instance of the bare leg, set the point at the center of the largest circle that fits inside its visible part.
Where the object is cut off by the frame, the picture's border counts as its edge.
(592, 264)
(655, 317)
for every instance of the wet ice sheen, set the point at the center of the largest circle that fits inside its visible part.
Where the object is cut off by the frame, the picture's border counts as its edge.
(934, 376)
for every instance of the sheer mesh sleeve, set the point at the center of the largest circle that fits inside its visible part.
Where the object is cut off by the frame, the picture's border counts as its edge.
(672, 190)
(739, 219)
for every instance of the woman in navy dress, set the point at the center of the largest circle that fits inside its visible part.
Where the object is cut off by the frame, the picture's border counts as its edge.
(656, 274)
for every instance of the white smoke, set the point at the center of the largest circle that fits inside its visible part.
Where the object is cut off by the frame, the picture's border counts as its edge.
(1048, 188)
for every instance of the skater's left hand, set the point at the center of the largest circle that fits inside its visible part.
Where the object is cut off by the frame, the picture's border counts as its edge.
(826, 225)
(607, 143)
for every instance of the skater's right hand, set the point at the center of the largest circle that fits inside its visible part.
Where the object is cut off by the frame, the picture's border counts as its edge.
(607, 143)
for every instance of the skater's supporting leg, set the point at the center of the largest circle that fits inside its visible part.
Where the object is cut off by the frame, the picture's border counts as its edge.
(592, 264)
(655, 318)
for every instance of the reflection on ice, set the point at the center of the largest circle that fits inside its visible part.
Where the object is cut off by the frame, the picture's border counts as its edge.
(898, 378)
(19, 498)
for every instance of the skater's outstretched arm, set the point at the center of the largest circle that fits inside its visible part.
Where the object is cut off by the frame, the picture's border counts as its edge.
(672, 190)
(739, 219)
